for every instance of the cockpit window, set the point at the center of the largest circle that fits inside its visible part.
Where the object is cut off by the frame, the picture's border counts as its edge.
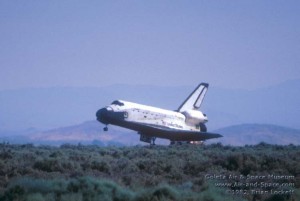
(116, 102)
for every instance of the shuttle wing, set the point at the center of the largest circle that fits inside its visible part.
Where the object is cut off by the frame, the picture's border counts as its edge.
(175, 134)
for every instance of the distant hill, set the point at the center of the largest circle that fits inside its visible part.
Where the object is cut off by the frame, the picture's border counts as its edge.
(255, 133)
(91, 132)
(48, 108)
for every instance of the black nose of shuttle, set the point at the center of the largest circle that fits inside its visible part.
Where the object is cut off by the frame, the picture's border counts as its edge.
(108, 116)
(102, 115)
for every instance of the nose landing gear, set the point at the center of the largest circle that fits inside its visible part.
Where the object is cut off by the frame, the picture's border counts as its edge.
(105, 128)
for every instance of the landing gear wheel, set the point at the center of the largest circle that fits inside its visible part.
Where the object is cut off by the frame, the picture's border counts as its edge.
(152, 143)
(105, 128)
(203, 128)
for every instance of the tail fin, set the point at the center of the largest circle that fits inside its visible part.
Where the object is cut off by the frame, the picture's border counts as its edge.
(194, 101)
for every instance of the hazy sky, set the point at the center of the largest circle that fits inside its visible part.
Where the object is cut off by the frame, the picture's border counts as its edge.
(233, 44)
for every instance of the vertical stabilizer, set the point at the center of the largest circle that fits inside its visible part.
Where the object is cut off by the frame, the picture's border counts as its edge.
(194, 101)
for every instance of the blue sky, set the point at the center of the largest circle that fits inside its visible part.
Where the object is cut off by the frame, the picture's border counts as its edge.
(230, 44)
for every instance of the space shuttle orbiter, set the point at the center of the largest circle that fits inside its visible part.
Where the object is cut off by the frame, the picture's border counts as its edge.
(186, 124)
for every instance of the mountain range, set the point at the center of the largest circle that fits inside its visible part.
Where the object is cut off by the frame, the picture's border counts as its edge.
(251, 134)
(48, 108)
(91, 132)
(39, 111)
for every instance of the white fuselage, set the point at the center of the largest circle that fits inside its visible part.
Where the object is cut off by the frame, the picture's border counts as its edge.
(159, 117)
(186, 124)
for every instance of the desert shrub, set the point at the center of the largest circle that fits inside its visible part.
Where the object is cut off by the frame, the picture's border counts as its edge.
(101, 166)
(71, 197)
(68, 146)
(93, 189)
(217, 145)
(48, 165)
(55, 165)
(271, 162)
(211, 193)
(2, 168)
(122, 163)
(27, 146)
(35, 197)
(15, 193)
(139, 168)
(168, 193)
(195, 167)
(144, 165)
(232, 162)
(116, 154)
(164, 192)
(249, 165)
(276, 198)
(6, 154)
(56, 154)
(76, 189)
(42, 186)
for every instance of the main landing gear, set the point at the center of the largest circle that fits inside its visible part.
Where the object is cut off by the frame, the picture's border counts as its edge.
(186, 142)
(148, 139)
(152, 141)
